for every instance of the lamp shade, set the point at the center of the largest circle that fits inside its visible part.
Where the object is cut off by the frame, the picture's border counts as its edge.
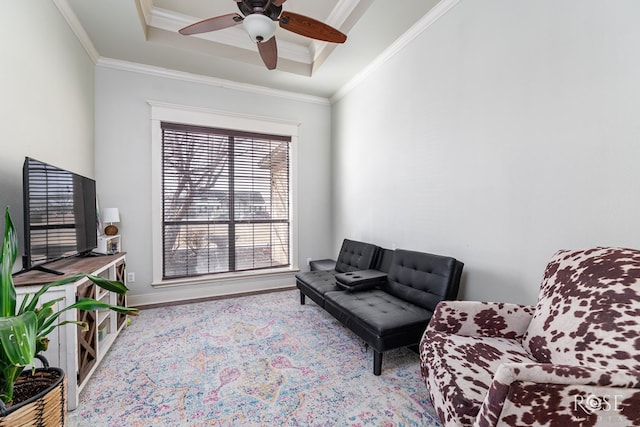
(260, 27)
(110, 215)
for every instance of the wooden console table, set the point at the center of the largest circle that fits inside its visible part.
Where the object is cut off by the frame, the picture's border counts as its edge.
(76, 351)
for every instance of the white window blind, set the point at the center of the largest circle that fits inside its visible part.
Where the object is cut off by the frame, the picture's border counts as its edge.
(225, 198)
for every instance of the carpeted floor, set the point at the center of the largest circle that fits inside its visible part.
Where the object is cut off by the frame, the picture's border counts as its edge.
(256, 360)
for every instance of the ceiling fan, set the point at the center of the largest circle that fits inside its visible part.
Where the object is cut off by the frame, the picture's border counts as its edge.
(259, 21)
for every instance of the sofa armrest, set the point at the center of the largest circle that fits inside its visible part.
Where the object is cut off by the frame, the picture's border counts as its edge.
(474, 318)
(322, 265)
(526, 394)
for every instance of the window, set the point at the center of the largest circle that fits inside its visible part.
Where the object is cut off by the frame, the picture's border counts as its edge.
(225, 201)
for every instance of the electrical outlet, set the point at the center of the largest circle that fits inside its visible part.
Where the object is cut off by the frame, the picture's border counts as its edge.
(308, 261)
(131, 277)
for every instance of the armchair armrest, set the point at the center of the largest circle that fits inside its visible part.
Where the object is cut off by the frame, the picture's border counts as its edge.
(546, 394)
(474, 318)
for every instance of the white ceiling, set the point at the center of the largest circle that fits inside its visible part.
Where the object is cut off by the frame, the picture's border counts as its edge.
(146, 32)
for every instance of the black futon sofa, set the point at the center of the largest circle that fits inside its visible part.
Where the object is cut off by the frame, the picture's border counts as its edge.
(384, 296)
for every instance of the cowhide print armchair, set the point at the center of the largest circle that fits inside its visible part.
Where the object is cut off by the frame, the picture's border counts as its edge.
(571, 360)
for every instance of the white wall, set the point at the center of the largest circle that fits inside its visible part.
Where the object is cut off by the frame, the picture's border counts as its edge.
(123, 166)
(505, 131)
(46, 97)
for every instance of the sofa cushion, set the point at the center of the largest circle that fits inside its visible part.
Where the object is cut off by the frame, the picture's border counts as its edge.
(461, 370)
(422, 278)
(355, 255)
(588, 311)
(316, 283)
(380, 319)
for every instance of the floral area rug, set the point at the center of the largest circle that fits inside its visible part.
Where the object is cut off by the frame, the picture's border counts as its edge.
(262, 360)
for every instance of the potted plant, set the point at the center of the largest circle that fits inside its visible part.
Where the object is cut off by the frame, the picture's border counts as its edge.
(24, 328)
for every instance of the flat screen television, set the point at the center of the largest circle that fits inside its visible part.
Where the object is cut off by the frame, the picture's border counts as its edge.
(60, 218)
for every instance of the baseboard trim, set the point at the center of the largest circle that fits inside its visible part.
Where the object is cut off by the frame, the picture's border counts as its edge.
(215, 298)
(189, 294)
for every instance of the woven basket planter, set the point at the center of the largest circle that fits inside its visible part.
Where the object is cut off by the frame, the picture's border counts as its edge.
(46, 408)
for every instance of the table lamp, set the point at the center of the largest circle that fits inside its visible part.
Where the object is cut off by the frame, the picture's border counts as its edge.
(110, 216)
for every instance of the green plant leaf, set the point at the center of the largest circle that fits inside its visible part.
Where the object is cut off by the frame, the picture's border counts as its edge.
(83, 325)
(8, 258)
(91, 304)
(109, 285)
(33, 304)
(24, 303)
(18, 338)
(88, 304)
(45, 317)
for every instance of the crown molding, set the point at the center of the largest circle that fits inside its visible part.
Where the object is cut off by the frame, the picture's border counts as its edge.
(146, 7)
(78, 30)
(336, 19)
(76, 27)
(205, 80)
(418, 28)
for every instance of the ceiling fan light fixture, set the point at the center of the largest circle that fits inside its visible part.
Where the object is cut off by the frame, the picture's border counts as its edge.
(260, 27)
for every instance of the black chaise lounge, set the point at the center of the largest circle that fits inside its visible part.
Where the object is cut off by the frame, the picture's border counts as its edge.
(386, 297)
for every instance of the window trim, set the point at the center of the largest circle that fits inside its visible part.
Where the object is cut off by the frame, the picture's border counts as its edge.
(217, 119)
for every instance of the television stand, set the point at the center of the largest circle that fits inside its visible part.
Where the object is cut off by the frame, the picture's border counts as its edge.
(41, 268)
(76, 350)
(91, 254)
(47, 270)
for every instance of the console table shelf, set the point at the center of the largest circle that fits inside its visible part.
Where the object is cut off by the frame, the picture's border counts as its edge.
(76, 351)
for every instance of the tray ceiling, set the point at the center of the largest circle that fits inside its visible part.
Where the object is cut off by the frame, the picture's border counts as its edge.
(145, 32)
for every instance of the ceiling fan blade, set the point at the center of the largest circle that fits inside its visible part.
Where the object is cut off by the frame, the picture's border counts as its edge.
(269, 53)
(309, 27)
(278, 2)
(212, 24)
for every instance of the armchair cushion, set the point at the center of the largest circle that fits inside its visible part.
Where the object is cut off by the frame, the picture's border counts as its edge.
(588, 310)
(459, 371)
(538, 394)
